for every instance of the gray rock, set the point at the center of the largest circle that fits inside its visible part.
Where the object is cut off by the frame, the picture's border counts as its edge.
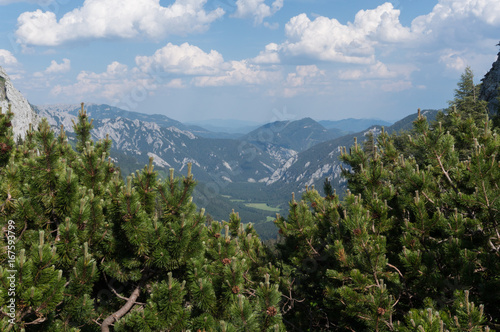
(23, 112)
(489, 87)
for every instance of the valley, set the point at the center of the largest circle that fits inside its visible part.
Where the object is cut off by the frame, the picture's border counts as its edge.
(267, 164)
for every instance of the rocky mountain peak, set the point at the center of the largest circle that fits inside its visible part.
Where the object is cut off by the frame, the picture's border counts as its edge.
(23, 112)
(489, 87)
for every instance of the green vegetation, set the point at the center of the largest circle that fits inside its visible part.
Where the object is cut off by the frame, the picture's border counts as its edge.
(94, 252)
(412, 245)
(262, 206)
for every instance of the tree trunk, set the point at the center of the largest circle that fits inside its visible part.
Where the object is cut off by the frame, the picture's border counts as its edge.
(123, 310)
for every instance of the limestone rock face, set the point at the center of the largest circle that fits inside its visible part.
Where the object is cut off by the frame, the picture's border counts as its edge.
(23, 112)
(489, 88)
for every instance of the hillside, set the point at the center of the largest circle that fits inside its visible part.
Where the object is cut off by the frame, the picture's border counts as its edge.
(296, 135)
(353, 125)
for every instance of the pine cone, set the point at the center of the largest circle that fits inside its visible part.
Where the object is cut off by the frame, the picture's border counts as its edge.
(236, 289)
(271, 311)
(226, 261)
(217, 235)
(5, 147)
(380, 311)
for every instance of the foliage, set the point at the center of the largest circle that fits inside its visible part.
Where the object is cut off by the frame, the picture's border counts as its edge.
(95, 252)
(413, 245)
(415, 236)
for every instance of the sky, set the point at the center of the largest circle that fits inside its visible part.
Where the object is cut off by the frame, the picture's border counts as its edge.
(253, 60)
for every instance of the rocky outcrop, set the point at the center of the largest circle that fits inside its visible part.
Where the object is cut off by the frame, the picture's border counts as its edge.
(489, 87)
(23, 112)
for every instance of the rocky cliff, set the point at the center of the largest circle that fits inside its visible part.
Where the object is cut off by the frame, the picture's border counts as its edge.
(23, 112)
(489, 87)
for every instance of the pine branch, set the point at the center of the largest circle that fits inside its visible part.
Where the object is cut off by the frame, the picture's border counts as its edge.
(117, 294)
(123, 310)
(445, 172)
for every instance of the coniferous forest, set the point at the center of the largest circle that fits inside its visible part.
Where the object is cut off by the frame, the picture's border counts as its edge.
(413, 245)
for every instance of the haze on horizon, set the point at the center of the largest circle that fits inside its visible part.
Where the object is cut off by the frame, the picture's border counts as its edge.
(253, 60)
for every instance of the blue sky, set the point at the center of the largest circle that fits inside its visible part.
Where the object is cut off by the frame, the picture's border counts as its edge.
(258, 60)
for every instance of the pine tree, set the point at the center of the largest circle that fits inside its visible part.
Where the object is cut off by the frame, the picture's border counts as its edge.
(6, 136)
(95, 252)
(418, 228)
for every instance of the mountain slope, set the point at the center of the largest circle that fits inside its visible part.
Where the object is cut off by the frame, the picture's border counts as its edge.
(172, 144)
(353, 125)
(490, 85)
(296, 135)
(23, 112)
(312, 166)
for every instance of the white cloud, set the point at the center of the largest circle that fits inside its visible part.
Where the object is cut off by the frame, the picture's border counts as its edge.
(451, 22)
(184, 59)
(375, 71)
(56, 68)
(457, 12)
(209, 69)
(453, 60)
(270, 55)
(115, 19)
(257, 9)
(328, 40)
(302, 80)
(176, 83)
(239, 73)
(7, 59)
(9, 62)
(114, 85)
(302, 73)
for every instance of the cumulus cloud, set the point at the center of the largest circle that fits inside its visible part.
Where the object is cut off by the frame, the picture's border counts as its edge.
(56, 68)
(115, 19)
(302, 80)
(7, 59)
(185, 65)
(185, 59)
(270, 55)
(329, 40)
(453, 60)
(256, 9)
(450, 22)
(456, 12)
(375, 71)
(209, 69)
(114, 85)
(239, 73)
(9, 62)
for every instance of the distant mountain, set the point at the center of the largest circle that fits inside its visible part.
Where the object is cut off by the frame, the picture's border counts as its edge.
(173, 144)
(406, 123)
(23, 112)
(353, 125)
(312, 166)
(227, 126)
(296, 135)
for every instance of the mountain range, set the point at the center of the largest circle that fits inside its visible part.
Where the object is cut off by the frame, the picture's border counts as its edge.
(234, 171)
(265, 165)
(252, 169)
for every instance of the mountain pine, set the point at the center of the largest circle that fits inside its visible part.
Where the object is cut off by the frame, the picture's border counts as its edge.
(97, 252)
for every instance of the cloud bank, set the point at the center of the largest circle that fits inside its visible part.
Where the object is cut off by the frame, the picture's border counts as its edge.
(115, 19)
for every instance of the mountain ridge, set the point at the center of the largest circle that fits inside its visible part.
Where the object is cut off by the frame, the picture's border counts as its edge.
(24, 115)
